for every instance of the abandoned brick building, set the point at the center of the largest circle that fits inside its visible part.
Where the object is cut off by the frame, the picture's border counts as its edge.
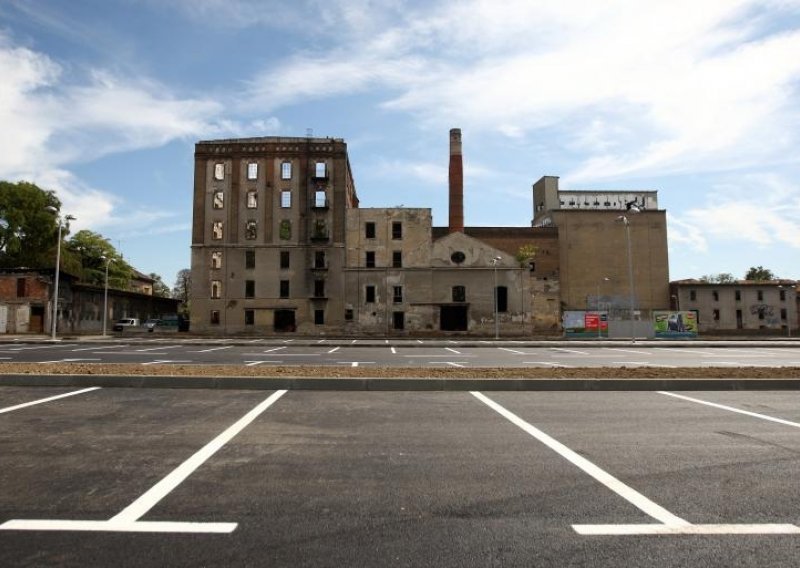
(280, 244)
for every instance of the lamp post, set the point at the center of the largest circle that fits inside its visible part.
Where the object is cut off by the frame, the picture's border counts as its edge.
(68, 218)
(105, 296)
(599, 326)
(626, 222)
(495, 260)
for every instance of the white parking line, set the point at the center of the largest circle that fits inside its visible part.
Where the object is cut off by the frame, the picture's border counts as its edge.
(454, 364)
(128, 519)
(428, 356)
(512, 350)
(157, 348)
(212, 349)
(732, 409)
(627, 351)
(35, 347)
(670, 524)
(568, 350)
(452, 350)
(96, 348)
(547, 363)
(43, 400)
(255, 363)
(334, 350)
(643, 364)
(626, 492)
(321, 341)
(273, 349)
(160, 361)
(66, 361)
(393, 350)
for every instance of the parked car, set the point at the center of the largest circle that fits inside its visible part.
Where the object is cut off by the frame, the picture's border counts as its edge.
(125, 323)
(151, 324)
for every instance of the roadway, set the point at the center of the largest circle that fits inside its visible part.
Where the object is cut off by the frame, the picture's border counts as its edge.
(419, 354)
(167, 477)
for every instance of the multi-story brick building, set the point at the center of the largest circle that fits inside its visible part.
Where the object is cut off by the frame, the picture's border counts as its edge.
(279, 244)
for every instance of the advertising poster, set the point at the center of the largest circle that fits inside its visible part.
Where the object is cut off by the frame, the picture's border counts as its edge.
(581, 323)
(669, 324)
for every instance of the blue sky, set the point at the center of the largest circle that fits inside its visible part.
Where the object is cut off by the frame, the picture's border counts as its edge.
(103, 100)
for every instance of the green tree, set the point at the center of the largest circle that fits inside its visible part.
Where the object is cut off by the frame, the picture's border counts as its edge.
(721, 278)
(526, 254)
(159, 288)
(182, 290)
(28, 229)
(88, 252)
(759, 273)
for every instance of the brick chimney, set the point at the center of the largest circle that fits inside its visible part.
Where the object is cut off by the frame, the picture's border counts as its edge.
(456, 223)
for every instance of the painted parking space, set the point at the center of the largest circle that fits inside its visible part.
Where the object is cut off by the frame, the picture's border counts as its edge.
(418, 478)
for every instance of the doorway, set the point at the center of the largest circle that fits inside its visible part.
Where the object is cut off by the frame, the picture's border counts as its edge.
(284, 321)
(453, 318)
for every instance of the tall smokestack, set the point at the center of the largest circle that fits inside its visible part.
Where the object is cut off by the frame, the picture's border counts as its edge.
(456, 178)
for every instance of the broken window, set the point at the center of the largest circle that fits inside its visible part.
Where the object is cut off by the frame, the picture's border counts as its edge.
(319, 317)
(369, 230)
(319, 259)
(369, 261)
(216, 259)
(285, 256)
(250, 230)
(214, 319)
(459, 294)
(397, 231)
(219, 171)
(397, 259)
(284, 292)
(319, 288)
(285, 230)
(397, 298)
(370, 294)
(216, 289)
(252, 199)
(216, 230)
(219, 200)
(252, 170)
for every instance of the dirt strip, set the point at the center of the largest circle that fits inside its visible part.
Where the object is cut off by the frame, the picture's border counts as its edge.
(182, 370)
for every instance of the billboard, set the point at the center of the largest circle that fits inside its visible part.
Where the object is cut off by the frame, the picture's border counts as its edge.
(670, 324)
(581, 323)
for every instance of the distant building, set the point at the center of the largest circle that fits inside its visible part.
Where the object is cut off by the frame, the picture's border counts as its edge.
(26, 297)
(744, 306)
(280, 244)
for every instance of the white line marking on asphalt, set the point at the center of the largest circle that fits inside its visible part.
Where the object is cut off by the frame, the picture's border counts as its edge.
(419, 341)
(418, 356)
(157, 348)
(547, 363)
(386, 342)
(96, 348)
(393, 350)
(35, 347)
(732, 409)
(160, 361)
(692, 351)
(626, 492)
(48, 399)
(353, 342)
(274, 349)
(628, 530)
(288, 340)
(75, 360)
(321, 341)
(454, 364)
(152, 496)
(109, 526)
(151, 353)
(452, 350)
(354, 364)
(254, 363)
(212, 349)
(254, 341)
(569, 350)
(5, 358)
(627, 351)
(512, 350)
(334, 350)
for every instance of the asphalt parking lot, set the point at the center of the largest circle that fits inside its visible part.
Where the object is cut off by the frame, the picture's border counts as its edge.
(138, 477)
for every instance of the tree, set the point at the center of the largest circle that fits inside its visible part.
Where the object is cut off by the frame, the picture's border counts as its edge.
(759, 273)
(159, 288)
(526, 254)
(183, 289)
(721, 278)
(28, 229)
(87, 255)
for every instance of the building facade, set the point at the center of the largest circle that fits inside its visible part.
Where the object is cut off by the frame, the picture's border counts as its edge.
(741, 307)
(280, 244)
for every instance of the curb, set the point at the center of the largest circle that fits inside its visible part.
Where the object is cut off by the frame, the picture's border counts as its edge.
(396, 384)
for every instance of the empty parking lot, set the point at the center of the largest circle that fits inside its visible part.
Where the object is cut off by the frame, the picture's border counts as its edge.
(238, 478)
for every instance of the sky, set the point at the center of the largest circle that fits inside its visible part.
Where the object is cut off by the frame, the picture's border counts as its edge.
(102, 101)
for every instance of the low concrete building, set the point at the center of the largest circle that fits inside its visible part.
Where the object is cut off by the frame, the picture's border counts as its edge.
(742, 307)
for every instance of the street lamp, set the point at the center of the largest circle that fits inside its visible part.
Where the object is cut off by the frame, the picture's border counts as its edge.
(68, 218)
(632, 209)
(495, 260)
(105, 297)
(599, 325)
